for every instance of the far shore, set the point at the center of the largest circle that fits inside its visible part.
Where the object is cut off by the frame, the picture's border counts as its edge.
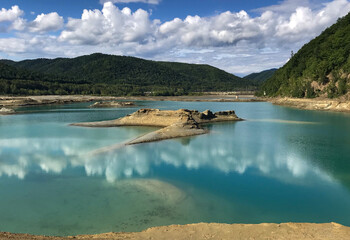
(18, 101)
(318, 104)
(287, 231)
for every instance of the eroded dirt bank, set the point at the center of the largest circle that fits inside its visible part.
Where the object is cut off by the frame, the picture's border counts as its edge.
(286, 231)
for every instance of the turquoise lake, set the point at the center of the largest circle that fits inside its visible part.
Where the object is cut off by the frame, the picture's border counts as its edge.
(280, 165)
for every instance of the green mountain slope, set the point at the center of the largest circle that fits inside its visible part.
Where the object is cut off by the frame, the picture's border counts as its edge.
(119, 75)
(320, 68)
(19, 81)
(261, 76)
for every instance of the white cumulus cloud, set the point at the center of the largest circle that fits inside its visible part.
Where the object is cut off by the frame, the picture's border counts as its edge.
(10, 14)
(304, 23)
(109, 26)
(237, 42)
(132, 1)
(224, 29)
(10, 19)
(46, 22)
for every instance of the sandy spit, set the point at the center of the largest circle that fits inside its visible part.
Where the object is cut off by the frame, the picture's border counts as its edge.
(175, 124)
(271, 231)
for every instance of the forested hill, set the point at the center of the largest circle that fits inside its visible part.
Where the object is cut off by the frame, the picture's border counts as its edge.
(261, 76)
(114, 75)
(320, 68)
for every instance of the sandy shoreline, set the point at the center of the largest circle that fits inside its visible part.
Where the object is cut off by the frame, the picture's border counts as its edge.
(9, 101)
(14, 101)
(318, 104)
(300, 231)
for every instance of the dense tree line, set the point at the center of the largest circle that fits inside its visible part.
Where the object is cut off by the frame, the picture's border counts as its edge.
(324, 60)
(102, 74)
(261, 77)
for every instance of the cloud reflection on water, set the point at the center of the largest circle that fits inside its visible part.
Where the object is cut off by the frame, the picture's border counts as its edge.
(18, 157)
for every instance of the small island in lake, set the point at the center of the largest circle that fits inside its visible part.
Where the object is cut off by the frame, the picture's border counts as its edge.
(6, 111)
(179, 123)
(112, 104)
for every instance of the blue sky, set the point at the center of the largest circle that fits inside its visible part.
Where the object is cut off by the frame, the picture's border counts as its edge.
(165, 10)
(239, 36)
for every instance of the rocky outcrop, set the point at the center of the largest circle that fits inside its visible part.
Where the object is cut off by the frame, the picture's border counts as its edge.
(5, 111)
(112, 104)
(164, 118)
(179, 123)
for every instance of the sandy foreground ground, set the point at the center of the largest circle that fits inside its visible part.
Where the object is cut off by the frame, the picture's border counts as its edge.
(270, 231)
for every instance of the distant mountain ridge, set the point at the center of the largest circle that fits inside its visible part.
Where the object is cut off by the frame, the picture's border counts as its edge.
(114, 75)
(320, 68)
(261, 77)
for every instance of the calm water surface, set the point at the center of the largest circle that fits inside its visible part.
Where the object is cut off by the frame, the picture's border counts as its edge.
(280, 165)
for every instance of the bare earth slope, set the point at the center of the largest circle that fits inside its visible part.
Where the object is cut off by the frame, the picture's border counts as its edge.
(285, 231)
